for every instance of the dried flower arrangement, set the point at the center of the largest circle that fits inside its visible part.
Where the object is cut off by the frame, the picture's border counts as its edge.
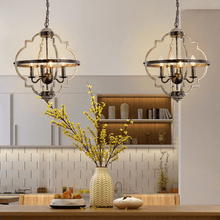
(163, 172)
(95, 146)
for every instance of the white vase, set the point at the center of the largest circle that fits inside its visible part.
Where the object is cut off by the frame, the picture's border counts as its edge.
(101, 188)
(124, 111)
(111, 112)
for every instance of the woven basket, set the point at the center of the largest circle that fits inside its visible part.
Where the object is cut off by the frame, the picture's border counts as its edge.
(101, 188)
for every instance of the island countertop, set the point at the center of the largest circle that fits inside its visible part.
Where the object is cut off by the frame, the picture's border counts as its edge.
(179, 212)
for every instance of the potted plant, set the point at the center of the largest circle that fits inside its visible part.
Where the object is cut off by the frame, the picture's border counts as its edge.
(163, 173)
(94, 146)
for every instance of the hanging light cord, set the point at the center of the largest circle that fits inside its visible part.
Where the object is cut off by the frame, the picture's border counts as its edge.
(176, 24)
(46, 24)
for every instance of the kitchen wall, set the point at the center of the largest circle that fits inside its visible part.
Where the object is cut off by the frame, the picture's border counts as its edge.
(54, 167)
(200, 175)
(109, 37)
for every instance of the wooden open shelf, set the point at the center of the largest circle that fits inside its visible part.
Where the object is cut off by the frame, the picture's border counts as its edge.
(140, 126)
(137, 121)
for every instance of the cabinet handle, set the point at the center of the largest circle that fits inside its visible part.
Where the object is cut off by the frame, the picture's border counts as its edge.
(16, 135)
(52, 135)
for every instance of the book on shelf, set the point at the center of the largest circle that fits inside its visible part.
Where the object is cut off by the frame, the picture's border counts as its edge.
(149, 114)
(156, 113)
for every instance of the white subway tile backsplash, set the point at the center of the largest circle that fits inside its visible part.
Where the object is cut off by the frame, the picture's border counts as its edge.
(2, 174)
(117, 165)
(136, 174)
(54, 168)
(6, 183)
(43, 165)
(30, 165)
(54, 165)
(68, 165)
(3, 157)
(125, 174)
(86, 174)
(6, 165)
(113, 173)
(24, 157)
(43, 182)
(34, 174)
(80, 165)
(12, 174)
(142, 182)
(131, 183)
(142, 165)
(137, 157)
(29, 183)
(24, 174)
(124, 156)
(130, 165)
(34, 157)
(74, 174)
(18, 165)
(61, 174)
(80, 183)
(12, 157)
(68, 182)
(18, 183)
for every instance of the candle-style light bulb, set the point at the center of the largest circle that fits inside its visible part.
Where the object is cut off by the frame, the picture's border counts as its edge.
(193, 58)
(172, 57)
(193, 71)
(161, 58)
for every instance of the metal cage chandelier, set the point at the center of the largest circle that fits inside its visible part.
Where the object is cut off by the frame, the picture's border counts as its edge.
(47, 69)
(174, 78)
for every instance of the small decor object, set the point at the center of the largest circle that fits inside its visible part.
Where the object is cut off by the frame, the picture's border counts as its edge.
(134, 141)
(42, 190)
(140, 113)
(148, 137)
(111, 112)
(124, 111)
(46, 70)
(102, 116)
(162, 136)
(71, 189)
(179, 67)
(163, 172)
(175, 188)
(101, 186)
(64, 189)
(128, 202)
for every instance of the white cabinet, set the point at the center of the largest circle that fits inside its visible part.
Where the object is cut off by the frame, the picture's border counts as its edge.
(75, 104)
(5, 119)
(31, 126)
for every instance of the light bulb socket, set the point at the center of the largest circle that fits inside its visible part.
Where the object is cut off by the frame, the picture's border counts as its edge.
(176, 32)
(46, 32)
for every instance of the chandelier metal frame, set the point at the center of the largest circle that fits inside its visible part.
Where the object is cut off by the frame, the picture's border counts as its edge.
(175, 65)
(47, 66)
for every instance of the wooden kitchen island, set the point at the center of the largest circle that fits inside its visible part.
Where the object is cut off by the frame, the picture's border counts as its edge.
(178, 212)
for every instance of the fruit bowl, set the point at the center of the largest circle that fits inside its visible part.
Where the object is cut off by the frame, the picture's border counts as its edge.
(67, 203)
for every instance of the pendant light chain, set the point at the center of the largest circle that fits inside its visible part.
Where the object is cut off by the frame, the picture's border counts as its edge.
(176, 24)
(46, 24)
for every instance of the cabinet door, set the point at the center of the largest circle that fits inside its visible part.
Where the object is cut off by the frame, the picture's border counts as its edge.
(31, 126)
(75, 104)
(5, 119)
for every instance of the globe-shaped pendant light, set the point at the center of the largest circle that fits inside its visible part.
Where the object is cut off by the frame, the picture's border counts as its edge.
(182, 65)
(53, 66)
